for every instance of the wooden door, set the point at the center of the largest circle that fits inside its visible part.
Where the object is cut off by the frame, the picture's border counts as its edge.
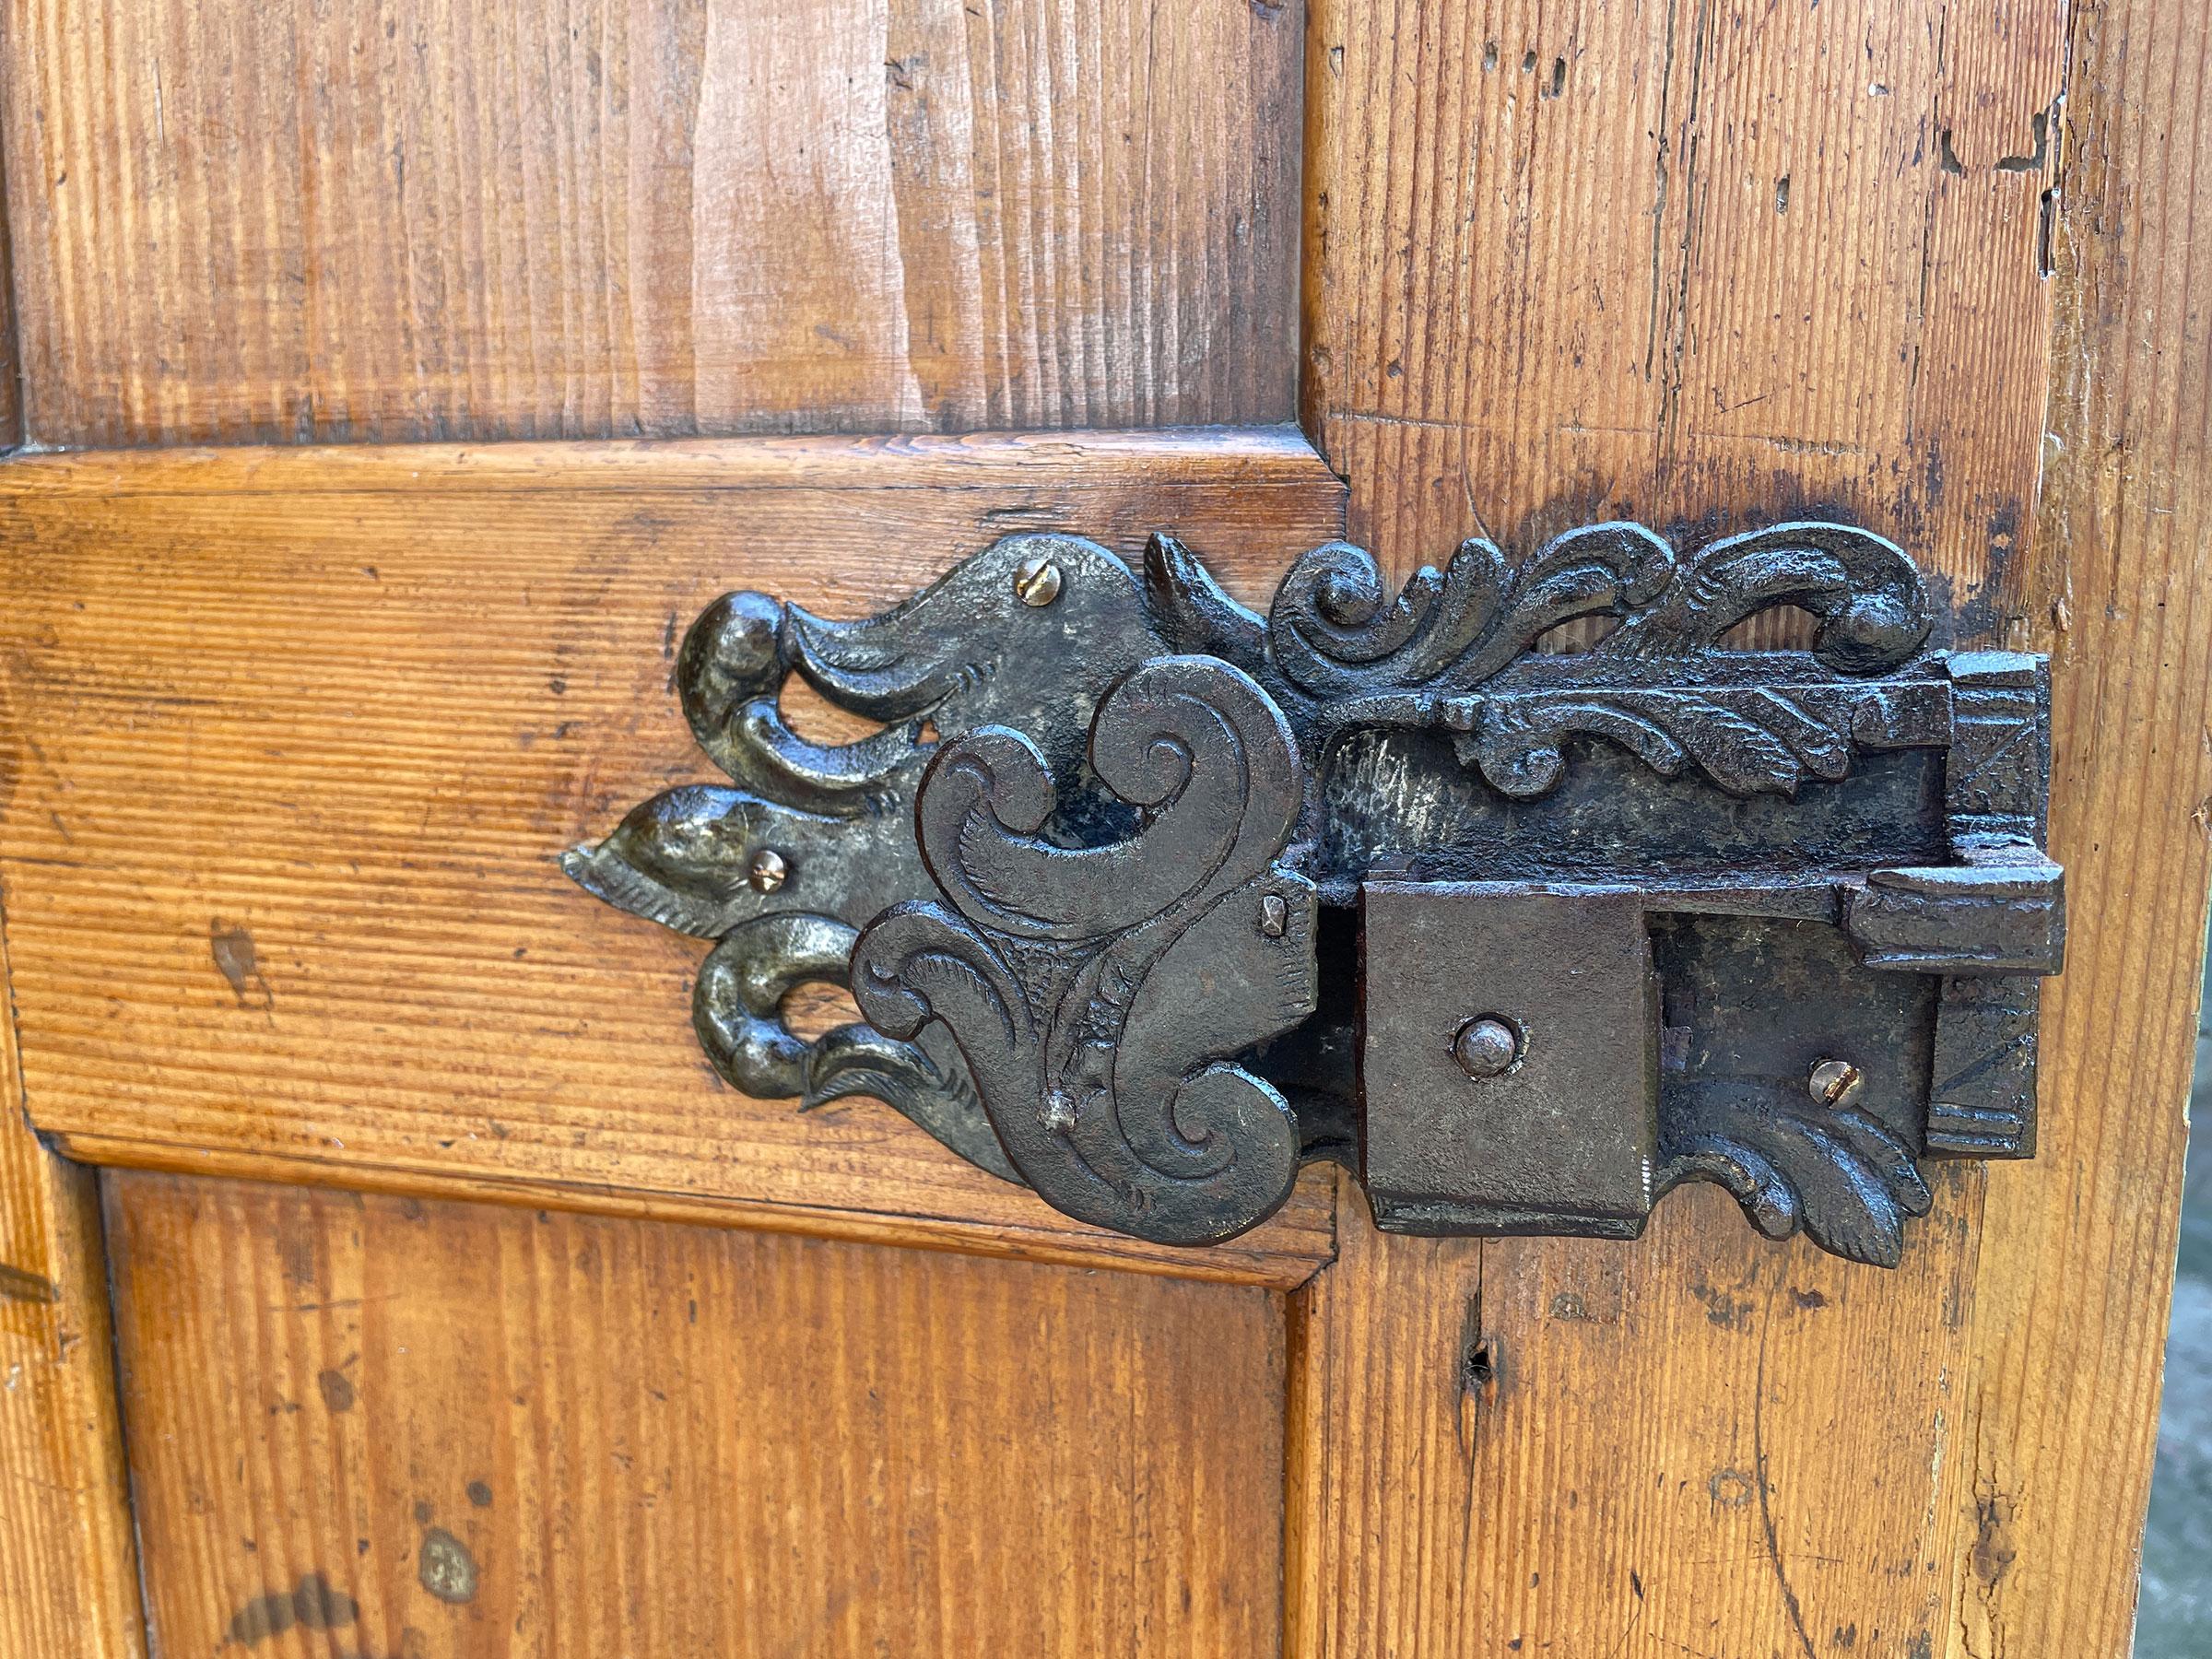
(382, 1271)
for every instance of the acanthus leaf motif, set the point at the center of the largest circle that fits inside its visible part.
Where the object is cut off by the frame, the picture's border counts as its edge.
(1841, 1175)
(1864, 591)
(1747, 740)
(1332, 634)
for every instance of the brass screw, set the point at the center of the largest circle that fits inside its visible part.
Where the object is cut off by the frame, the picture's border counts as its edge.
(1274, 915)
(1835, 1082)
(768, 872)
(1037, 581)
(1486, 1047)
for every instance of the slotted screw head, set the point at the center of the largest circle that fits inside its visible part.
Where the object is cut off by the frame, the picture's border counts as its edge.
(1834, 1082)
(770, 870)
(1037, 581)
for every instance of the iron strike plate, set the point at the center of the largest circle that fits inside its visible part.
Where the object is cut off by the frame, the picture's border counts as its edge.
(1147, 899)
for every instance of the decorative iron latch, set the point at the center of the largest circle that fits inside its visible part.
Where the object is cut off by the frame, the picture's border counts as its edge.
(1147, 899)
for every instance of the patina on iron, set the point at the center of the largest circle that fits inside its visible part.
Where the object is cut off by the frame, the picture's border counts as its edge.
(1146, 897)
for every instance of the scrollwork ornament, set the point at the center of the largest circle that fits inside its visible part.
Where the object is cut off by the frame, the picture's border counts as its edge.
(1332, 635)
(836, 817)
(1074, 875)
(1100, 993)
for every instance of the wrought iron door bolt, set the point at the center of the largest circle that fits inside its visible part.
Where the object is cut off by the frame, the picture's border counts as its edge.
(1695, 874)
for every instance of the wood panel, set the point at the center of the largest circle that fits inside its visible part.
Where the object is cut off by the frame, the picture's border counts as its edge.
(380, 1426)
(294, 739)
(68, 1560)
(2058, 1405)
(430, 220)
(1555, 275)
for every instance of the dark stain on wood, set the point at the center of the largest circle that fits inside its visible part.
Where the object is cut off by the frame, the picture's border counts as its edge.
(18, 1284)
(336, 1388)
(235, 957)
(314, 1604)
(1729, 1311)
(1994, 1549)
(1729, 1489)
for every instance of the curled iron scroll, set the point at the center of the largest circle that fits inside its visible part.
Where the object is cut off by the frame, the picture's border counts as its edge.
(1100, 992)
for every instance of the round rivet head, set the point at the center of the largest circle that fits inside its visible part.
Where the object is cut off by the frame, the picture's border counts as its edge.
(1274, 915)
(1058, 1112)
(1834, 1082)
(770, 870)
(1486, 1047)
(1037, 581)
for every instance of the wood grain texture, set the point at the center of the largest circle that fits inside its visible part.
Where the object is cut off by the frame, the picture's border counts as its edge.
(293, 739)
(379, 1426)
(1554, 274)
(1695, 264)
(1698, 1443)
(11, 378)
(68, 1560)
(2058, 1408)
(428, 220)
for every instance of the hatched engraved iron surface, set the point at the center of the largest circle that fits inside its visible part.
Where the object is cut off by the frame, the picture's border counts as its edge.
(1096, 883)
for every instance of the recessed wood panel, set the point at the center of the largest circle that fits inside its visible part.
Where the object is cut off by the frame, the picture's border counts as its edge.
(387, 1427)
(432, 219)
(295, 738)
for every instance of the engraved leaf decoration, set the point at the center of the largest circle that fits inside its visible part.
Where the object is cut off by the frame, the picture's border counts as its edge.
(1749, 742)
(1101, 996)
(1332, 630)
(1742, 752)
(1841, 1176)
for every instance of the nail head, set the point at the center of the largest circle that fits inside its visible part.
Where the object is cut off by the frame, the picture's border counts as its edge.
(1486, 1047)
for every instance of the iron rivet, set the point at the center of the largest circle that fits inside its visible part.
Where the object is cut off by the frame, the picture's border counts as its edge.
(1274, 915)
(1486, 1047)
(1059, 1111)
(770, 870)
(1037, 581)
(1834, 1082)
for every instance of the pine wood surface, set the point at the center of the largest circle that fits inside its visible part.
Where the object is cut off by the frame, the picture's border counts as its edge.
(2058, 1406)
(1553, 272)
(295, 738)
(1558, 280)
(592, 218)
(1700, 1441)
(381, 1426)
(68, 1560)
(1705, 263)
